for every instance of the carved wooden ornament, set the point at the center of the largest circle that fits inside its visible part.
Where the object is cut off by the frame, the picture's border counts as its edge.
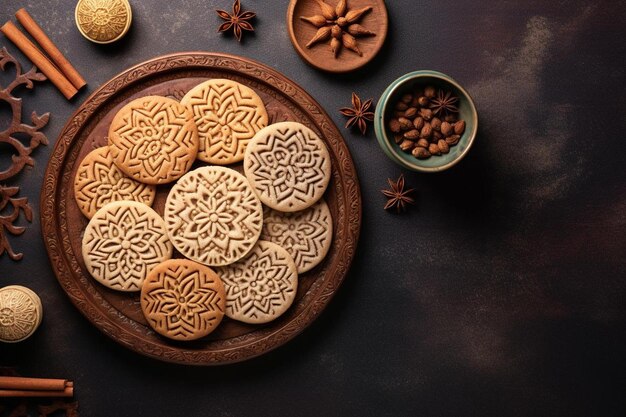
(10, 205)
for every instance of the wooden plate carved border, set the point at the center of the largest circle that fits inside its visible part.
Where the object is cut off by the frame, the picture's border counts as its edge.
(85, 294)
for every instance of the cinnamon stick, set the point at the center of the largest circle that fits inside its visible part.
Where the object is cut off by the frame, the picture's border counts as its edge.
(32, 384)
(50, 48)
(67, 392)
(39, 59)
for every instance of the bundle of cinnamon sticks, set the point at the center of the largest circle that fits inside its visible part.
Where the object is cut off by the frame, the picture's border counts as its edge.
(15, 386)
(61, 73)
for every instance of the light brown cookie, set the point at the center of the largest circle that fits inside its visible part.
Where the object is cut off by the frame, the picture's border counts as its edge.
(153, 139)
(123, 242)
(228, 115)
(262, 286)
(183, 300)
(213, 216)
(288, 166)
(99, 181)
(20, 313)
(305, 234)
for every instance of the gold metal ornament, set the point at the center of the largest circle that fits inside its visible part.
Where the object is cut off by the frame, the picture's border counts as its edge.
(103, 21)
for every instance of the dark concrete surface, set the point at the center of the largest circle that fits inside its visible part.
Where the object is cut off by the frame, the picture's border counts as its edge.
(501, 294)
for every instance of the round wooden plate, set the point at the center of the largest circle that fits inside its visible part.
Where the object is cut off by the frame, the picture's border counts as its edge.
(118, 314)
(320, 55)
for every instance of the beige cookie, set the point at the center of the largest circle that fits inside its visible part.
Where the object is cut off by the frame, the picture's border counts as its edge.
(288, 166)
(99, 181)
(305, 234)
(213, 216)
(123, 242)
(262, 286)
(153, 139)
(183, 300)
(228, 115)
(20, 313)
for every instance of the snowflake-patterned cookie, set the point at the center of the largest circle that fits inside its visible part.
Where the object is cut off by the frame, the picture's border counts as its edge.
(228, 115)
(262, 286)
(20, 313)
(288, 166)
(123, 242)
(183, 300)
(213, 216)
(153, 140)
(305, 234)
(99, 181)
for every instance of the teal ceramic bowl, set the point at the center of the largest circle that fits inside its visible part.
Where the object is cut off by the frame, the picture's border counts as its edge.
(407, 84)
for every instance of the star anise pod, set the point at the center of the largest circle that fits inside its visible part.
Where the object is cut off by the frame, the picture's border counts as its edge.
(238, 21)
(444, 103)
(397, 196)
(359, 114)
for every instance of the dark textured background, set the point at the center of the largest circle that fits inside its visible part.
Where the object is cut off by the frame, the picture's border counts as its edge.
(501, 294)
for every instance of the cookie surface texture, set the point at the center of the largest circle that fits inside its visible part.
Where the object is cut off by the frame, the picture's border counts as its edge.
(262, 286)
(288, 166)
(99, 181)
(153, 139)
(307, 235)
(228, 115)
(213, 216)
(20, 313)
(183, 300)
(123, 242)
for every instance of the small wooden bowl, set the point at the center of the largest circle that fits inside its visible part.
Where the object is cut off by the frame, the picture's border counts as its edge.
(320, 55)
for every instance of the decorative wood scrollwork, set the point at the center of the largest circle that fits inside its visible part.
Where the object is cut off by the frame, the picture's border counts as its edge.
(11, 206)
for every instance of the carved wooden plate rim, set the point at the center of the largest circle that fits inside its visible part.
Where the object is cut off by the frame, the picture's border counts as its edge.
(85, 295)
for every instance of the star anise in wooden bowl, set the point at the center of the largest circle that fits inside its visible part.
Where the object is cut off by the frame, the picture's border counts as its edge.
(340, 25)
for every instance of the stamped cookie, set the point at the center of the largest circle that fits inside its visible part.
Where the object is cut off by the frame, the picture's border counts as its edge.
(213, 216)
(99, 181)
(20, 313)
(228, 115)
(183, 300)
(123, 242)
(288, 166)
(153, 139)
(262, 286)
(305, 234)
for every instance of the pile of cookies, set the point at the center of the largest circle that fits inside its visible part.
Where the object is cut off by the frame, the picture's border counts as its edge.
(226, 243)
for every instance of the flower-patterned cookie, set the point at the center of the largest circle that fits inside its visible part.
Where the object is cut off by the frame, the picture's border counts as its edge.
(213, 216)
(288, 166)
(99, 181)
(228, 115)
(153, 140)
(305, 234)
(20, 313)
(123, 242)
(262, 286)
(183, 300)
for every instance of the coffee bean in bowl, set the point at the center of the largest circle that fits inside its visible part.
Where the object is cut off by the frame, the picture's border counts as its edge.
(426, 121)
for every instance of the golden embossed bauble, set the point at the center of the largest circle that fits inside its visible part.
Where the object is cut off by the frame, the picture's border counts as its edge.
(20, 313)
(103, 21)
